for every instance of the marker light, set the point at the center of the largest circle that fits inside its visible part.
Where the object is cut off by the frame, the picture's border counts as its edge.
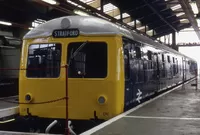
(101, 100)
(5, 23)
(52, 2)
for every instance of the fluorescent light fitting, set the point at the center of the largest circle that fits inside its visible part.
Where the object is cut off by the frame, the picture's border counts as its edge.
(52, 2)
(176, 7)
(81, 13)
(184, 21)
(87, 1)
(5, 23)
(180, 14)
(73, 3)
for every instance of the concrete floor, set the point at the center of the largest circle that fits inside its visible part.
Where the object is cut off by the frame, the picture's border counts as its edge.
(177, 113)
(4, 105)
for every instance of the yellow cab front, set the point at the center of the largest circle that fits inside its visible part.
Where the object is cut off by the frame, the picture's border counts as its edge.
(95, 84)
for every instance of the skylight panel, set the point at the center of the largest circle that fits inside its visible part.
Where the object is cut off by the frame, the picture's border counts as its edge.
(124, 15)
(133, 23)
(141, 28)
(176, 7)
(150, 32)
(194, 8)
(109, 7)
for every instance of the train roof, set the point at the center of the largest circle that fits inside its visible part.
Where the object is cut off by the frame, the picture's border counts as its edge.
(89, 25)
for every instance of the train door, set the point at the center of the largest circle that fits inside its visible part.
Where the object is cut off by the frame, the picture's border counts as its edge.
(134, 74)
(139, 73)
(184, 68)
(157, 71)
(128, 81)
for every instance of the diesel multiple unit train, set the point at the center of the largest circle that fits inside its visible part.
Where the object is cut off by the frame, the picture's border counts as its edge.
(110, 69)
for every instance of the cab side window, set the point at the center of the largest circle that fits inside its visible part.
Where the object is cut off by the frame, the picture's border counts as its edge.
(126, 64)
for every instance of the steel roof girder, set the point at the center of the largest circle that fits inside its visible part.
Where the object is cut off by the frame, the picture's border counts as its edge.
(159, 15)
(189, 13)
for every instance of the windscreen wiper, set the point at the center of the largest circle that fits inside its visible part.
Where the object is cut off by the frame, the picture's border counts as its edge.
(76, 52)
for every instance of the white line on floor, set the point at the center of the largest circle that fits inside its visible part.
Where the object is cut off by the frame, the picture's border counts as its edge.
(162, 118)
(93, 130)
(12, 97)
(9, 111)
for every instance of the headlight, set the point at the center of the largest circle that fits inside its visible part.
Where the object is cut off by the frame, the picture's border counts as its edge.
(101, 100)
(28, 98)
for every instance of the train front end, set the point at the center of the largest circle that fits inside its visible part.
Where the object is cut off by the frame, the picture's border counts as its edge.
(95, 77)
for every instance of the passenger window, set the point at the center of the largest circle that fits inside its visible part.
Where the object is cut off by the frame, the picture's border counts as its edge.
(89, 62)
(173, 60)
(149, 54)
(177, 66)
(163, 58)
(138, 52)
(168, 59)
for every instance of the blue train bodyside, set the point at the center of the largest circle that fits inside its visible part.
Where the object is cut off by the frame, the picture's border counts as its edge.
(150, 70)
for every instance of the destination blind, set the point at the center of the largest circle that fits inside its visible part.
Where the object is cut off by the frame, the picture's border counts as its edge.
(65, 33)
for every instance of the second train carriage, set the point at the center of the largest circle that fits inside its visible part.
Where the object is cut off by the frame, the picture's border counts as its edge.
(110, 68)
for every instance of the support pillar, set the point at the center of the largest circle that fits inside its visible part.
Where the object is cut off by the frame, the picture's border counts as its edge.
(102, 3)
(174, 46)
(135, 24)
(121, 16)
